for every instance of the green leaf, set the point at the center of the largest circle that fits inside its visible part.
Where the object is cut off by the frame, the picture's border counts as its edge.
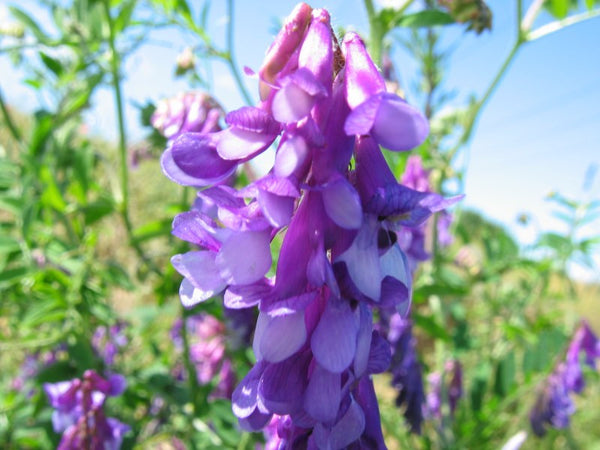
(431, 327)
(8, 244)
(11, 276)
(161, 227)
(98, 209)
(44, 123)
(505, 375)
(28, 22)
(427, 18)
(51, 196)
(51, 63)
(124, 17)
(559, 8)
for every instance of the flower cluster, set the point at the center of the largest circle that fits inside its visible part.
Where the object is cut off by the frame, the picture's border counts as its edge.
(79, 412)
(554, 405)
(324, 106)
(206, 340)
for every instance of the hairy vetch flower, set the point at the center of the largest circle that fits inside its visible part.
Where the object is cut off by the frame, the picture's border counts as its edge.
(322, 105)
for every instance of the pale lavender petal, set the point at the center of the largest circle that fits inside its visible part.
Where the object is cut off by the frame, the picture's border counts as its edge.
(334, 340)
(297, 96)
(237, 144)
(398, 125)
(316, 53)
(278, 210)
(245, 257)
(360, 121)
(342, 203)
(192, 226)
(323, 394)
(362, 260)
(362, 77)
(200, 269)
(191, 296)
(279, 337)
(290, 156)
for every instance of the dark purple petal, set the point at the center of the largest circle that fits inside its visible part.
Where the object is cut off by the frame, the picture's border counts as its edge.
(380, 354)
(174, 172)
(367, 400)
(363, 341)
(195, 155)
(244, 397)
(334, 340)
(255, 421)
(282, 385)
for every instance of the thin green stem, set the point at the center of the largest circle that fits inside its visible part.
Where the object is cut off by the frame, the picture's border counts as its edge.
(14, 131)
(231, 62)
(124, 170)
(560, 24)
(189, 366)
(375, 33)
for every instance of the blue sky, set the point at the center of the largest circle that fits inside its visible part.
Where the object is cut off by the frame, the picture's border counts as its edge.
(539, 133)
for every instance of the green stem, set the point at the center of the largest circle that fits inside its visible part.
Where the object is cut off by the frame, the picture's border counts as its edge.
(560, 24)
(231, 62)
(189, 366)
(14, 131)
(124, 170)
(375, 33)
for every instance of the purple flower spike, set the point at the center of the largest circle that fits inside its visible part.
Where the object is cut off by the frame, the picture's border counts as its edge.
(553, 405)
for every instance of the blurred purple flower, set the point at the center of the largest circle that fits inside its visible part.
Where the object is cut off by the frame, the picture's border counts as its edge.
(79, 412)
(107, 341)
(186, 112)
(554, 406)
(206, 337)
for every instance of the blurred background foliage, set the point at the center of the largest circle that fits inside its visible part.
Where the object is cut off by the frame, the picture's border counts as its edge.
(85, 241)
